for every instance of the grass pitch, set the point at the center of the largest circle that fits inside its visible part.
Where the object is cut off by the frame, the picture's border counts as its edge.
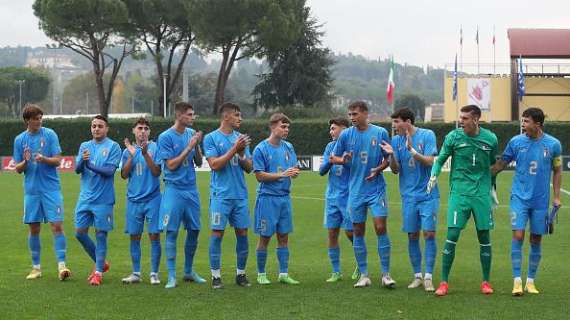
(313, 299)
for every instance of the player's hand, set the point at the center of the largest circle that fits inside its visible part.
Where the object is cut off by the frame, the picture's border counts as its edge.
(85, 155)
(373, 173)
(409, 141)
(291, 172)
(196, 138)
(39, 157)
(387, 148)
(556, 202)
(494, 198)
(144, 148)
(346, 157)
(130, 147)
(27, 154)
(431, 184)
(241, 143)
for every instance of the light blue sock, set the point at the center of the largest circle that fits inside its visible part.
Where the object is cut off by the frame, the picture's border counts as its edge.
(136, 255)
(60, 246)
(431, 252)
(155, 253)
(261, 260)
(534, 259)
(190, 249)
(283, 258)
(516, 257)
(87, 243)
(100, 250)
(334, 256)
(414, 252)
(170, 248)
(242, 251)
(35, 248)
(360, 254)
(215, 251)
(384, 247)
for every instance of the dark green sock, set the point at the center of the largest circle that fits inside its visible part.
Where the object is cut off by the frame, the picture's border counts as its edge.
(449, 252)
(485, 252)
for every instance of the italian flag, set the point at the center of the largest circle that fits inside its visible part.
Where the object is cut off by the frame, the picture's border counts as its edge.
(391, 85)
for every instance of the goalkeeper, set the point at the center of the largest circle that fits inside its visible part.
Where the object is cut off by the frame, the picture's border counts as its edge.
(473, 150)
(537, 155)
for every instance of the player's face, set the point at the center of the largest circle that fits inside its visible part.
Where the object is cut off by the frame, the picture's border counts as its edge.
(468, 122)
(280, 130)
(335, 131)
(234, 119)
(99, 129)
(141, 132)
(186, 118)
(401, 126)
(530, 127)
(35, 123)
(358, 117)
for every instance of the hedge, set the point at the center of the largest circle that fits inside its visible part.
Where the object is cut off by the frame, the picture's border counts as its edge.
(308, 136)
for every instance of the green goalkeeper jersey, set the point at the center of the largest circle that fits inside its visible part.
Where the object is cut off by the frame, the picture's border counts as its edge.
(471, 159)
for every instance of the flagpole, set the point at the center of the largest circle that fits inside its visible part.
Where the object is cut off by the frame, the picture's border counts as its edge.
(494, 51)
(461, 46)
(477, 39)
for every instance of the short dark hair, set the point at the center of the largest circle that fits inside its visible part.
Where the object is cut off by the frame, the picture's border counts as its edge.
(339, 121)
(278, 117)
(473, 109)
(536, 114)
(31, 111)
(228, 107)
(181, 107)
(143, 121)
(100, 117)
(358, 104)
(404, 114)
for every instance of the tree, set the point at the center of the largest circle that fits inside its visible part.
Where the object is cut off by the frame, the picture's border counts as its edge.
(90, 28)
(239, 29)
(164, 28)
(413, 102)
(300, 73)
(34, 86)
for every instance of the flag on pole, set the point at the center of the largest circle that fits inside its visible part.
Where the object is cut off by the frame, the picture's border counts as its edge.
(391, 86)
(455, 79)
(521, 88)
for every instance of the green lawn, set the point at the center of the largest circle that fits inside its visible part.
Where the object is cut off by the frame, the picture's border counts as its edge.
(313, 299)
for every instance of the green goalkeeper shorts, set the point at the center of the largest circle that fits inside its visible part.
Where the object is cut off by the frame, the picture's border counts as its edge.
(460, 210)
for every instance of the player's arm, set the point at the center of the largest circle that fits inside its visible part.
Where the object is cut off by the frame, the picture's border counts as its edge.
(326, 165)
(557, 179)
(22, 158)
(174, 163)
(128, 162)
(198, 160)
(217, 163)
(393, 161)
(154, 168)
(444, 154)
(80, 159)
(54, 161)
(499, 166)
(111, 164)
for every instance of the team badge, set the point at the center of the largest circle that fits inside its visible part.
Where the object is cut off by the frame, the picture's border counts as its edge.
(545, 152)
(105, 152)
(374, 142)
(287, 155)
(109, 219)
(42, 142)
(420, 146)
(485, 147)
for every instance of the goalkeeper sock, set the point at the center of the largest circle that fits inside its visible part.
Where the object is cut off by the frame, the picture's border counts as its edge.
(516, 257)
(449, 252)
(485, 256)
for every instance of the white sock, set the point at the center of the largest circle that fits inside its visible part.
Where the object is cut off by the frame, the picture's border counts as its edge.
(238, 272)
(137, 274)
(529, 280)
(283, 274)
(216, 273)
(36, 266)
(428, 276)
(61, 264)
(518, 279)
(418, 275)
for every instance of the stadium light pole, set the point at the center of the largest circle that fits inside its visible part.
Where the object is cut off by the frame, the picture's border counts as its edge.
(164, 76)
(20, 83)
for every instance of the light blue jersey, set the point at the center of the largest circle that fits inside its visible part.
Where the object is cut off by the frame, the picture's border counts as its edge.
(227, 182)
(413, 175)
(38, 177)
(96, 188)
(142, 185)
(337, 186)
(171, 144)
(367, 153)
(534, 157)
(274, 159)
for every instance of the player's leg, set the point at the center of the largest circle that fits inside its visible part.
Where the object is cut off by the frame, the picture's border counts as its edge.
(265, 219)
(428, 214)
(35, 250)
(191, 219)
(411, 225)
(483, 215)
(357, 211)
(171, 210)
(134, 227)
(537, 229)
(348, 230)
(103, 223)
(219, 211)
(152, 218)
(284, 227)
(379, 210)
(240, 220)
(83, 220)
(52, 206)
(332, 221)
(519, 218)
